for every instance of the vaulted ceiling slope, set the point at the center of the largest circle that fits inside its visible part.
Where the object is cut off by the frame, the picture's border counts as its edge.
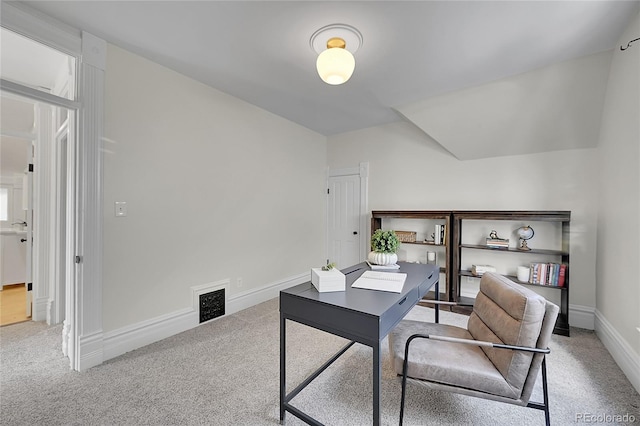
(443, 57)
(554, 108)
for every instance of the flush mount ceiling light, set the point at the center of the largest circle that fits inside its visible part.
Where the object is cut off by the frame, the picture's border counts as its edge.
(335, 45)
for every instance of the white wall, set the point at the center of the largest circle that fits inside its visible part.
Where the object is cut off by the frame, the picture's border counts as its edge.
(216, 189)
(410, 171)
(618, 250)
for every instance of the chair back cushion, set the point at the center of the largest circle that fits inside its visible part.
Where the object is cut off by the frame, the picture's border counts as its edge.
(548, 324)
(508, 313)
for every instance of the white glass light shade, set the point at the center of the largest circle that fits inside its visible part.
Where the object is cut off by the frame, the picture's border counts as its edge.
(335, 65)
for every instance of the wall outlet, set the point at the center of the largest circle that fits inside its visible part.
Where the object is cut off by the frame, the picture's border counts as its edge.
(121, 208)
(239, 282)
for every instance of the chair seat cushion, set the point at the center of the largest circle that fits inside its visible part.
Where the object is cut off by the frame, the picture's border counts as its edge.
(453, 364)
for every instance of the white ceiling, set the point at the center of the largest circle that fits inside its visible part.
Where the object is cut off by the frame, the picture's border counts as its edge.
(259, 51)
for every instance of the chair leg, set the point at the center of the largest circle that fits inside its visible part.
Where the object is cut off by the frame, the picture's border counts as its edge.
(545, 393)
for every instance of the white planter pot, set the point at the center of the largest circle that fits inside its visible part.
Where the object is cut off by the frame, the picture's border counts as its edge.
(382, 258)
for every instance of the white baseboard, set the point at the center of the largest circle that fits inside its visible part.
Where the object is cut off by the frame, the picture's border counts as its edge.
(39, 309)
(90, 351)
(126, 339)
(582, 317)
(131, 337)
(250, 298)
(624, 355)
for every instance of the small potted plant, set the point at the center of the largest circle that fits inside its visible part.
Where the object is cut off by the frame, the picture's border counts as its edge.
(383, 248)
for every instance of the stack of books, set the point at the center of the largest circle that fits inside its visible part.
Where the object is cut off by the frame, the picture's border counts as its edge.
(553, 274)
(479, 270)
(497, 243)
(440, 234)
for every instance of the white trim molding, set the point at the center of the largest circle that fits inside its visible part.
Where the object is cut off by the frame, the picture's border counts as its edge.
(89, 222)
(144, 333)
(34, 24)
(134, 336)
(250, 298)
(92, 352)
(582, 317)
(624, 355)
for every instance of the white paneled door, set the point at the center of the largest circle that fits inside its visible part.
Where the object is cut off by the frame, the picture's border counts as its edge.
(344, 213)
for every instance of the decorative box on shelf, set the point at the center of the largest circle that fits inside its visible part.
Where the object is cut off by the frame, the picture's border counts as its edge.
(406, 236)
(326, 281)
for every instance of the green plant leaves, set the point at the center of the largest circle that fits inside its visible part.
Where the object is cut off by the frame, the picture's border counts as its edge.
(384, 241)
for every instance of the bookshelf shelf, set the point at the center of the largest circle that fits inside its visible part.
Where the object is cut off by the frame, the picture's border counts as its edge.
(516, 250)
(512, 278)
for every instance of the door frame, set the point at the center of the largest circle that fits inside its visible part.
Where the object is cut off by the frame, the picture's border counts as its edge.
(361, 171)
(82, 332)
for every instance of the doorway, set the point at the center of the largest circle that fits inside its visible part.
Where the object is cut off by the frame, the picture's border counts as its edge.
(347, 215)
(16, 141)
(33, 173)
(34, 143)
(85, 56)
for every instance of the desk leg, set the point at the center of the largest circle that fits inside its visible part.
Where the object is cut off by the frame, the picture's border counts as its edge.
(437, 297)
(283, 366)
(377, 370)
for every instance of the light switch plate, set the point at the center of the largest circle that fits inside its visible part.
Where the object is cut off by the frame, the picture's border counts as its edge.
(121, 208)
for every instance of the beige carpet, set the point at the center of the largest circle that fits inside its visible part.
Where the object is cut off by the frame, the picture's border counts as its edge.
(226, 373)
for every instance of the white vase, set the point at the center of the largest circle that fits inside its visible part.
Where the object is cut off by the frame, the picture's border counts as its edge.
(383, 259)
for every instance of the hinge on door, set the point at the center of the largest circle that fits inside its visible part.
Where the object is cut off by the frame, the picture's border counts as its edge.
(78, 259)
(327, 190)
(30, 287)
(31, 167)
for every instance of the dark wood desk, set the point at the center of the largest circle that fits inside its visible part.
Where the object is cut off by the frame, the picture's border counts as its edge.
(359, 315)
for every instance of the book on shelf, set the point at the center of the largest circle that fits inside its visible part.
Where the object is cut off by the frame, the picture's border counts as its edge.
(440, 234)
(497, 242)
(479, 270)
(551, 274)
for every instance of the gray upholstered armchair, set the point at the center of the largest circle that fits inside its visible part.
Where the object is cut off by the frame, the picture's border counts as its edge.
(498, 356)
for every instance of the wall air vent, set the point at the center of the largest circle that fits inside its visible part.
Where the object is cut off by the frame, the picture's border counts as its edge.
(211, 305)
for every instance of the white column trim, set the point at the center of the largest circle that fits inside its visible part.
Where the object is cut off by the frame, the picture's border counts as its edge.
(89, 192)
(42, 267)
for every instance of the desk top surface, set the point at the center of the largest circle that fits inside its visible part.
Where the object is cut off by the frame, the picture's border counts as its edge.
(366, 301)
